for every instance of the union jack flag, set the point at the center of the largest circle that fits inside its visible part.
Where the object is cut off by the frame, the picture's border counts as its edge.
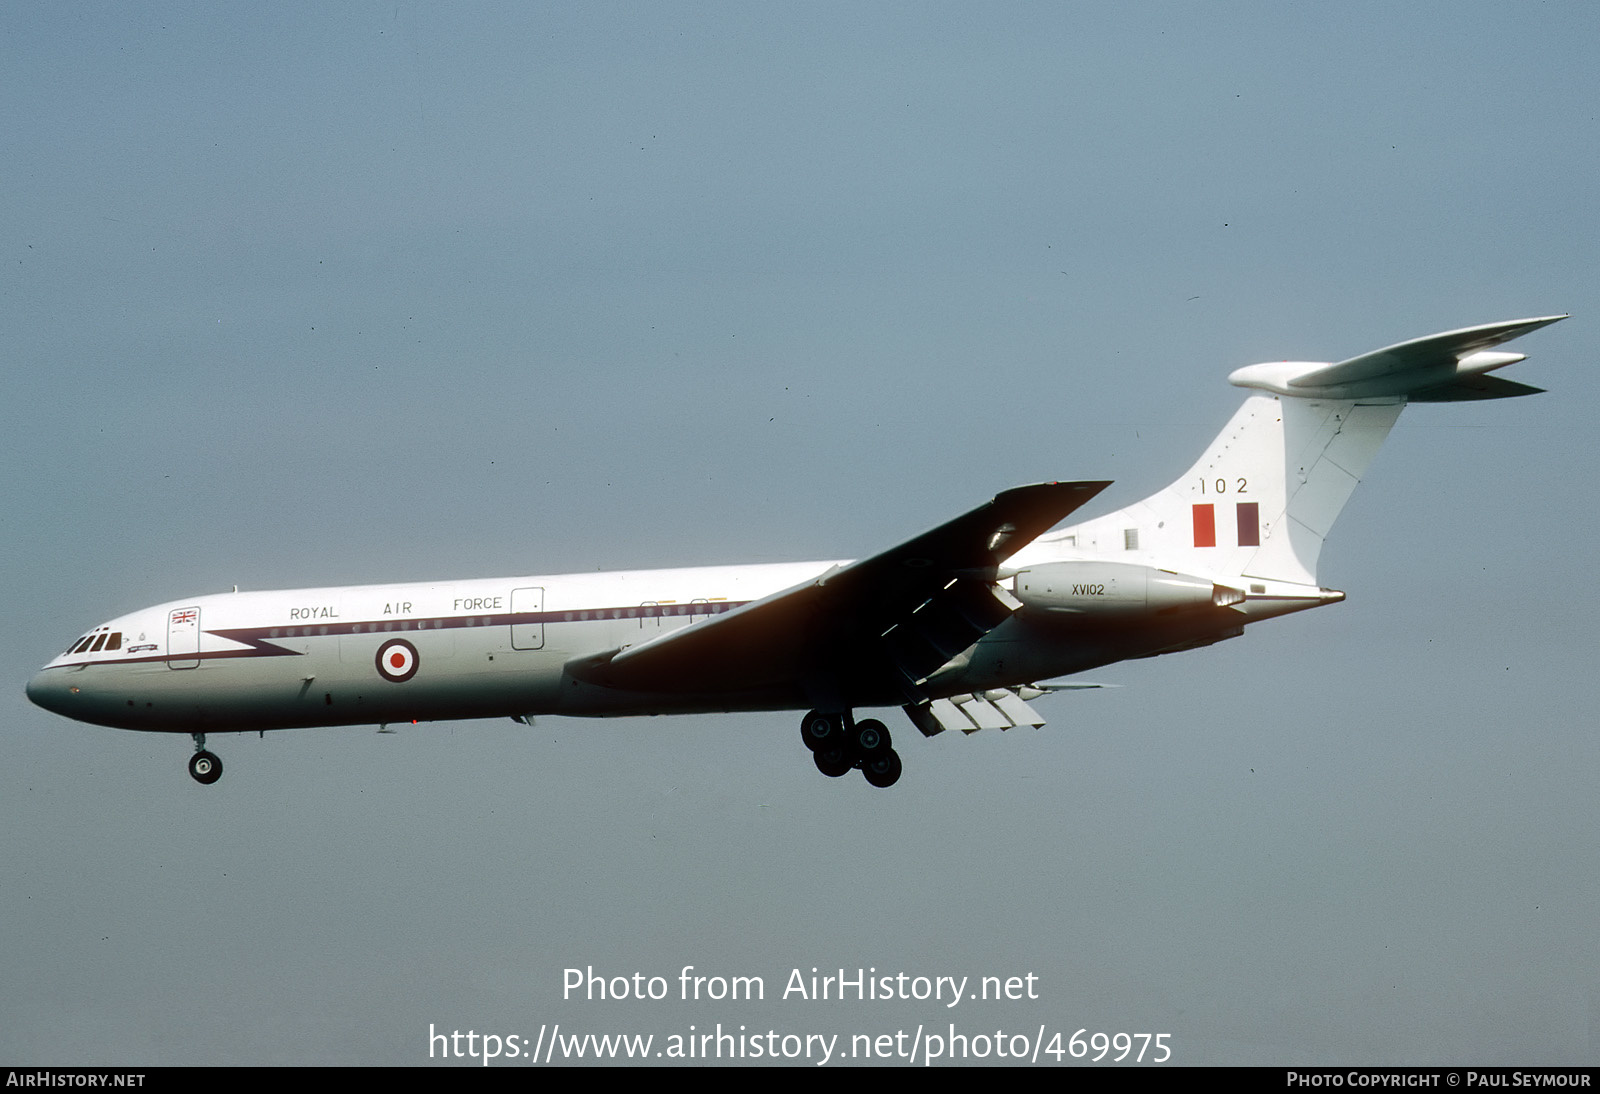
(187, 615)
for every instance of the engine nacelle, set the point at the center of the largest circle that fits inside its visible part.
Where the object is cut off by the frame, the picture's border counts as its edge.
(1116, 589)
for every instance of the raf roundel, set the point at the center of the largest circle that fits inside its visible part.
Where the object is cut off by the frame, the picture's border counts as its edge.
(397, 660)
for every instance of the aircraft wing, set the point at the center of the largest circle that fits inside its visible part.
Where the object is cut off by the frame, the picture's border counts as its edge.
(895, 617)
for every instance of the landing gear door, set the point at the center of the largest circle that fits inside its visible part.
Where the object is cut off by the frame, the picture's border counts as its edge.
(527, 624)
(183, 636)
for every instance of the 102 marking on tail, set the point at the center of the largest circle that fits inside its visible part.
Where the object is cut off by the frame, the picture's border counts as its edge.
(956, 626)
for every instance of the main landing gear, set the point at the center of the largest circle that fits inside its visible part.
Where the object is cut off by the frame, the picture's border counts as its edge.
(203, 765)
(839, 743)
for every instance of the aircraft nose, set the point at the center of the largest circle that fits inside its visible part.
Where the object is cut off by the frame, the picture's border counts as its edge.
(49, 690)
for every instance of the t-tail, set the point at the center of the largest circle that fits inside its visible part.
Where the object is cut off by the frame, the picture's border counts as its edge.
(1252, 513)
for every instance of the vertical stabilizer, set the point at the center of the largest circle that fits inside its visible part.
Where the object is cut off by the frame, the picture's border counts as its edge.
(1259, 501)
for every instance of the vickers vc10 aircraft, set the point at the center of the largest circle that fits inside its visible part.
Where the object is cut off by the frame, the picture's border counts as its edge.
(957, 626)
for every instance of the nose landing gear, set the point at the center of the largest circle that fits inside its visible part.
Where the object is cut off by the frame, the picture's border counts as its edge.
(839, 743)
(203, 765)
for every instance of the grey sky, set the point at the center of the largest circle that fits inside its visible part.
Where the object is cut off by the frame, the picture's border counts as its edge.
(310, 295)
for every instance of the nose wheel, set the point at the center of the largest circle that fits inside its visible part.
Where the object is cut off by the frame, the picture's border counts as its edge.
(839, 744)
(203, 765)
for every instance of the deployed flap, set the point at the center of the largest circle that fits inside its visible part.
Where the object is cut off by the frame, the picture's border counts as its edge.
(1000, 708)
(836, 620)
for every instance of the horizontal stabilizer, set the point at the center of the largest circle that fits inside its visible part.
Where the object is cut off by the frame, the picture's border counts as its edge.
(1447, 367)
(1468, 388)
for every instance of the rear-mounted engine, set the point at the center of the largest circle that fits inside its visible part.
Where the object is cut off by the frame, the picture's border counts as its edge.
(1116, 588)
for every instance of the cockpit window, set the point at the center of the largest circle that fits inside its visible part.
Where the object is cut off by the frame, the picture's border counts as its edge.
(95, 641)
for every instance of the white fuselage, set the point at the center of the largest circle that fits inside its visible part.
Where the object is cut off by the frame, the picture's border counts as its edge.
(485, 648)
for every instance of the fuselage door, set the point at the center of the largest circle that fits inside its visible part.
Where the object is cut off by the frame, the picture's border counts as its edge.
(527, 625)
(183, 636)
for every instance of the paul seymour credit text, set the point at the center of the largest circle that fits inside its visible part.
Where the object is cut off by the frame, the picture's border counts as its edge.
(919, 1042)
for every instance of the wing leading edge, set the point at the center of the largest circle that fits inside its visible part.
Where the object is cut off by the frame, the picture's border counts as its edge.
(885, 622)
